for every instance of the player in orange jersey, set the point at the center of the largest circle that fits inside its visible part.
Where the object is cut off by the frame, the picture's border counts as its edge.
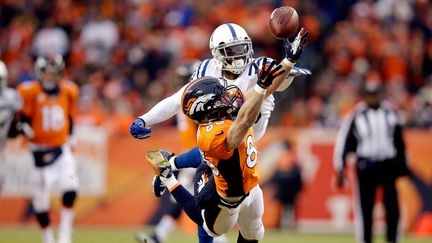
(226, 188)
(49, 107)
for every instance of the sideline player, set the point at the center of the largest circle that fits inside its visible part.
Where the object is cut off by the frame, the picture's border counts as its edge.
(10, 103)
(49, 106)
(230, 194)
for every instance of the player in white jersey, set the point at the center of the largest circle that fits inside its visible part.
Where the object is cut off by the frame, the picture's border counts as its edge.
(232, 60)
(10, 103)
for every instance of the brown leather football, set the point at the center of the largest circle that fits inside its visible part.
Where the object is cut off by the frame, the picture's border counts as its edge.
(284, 22)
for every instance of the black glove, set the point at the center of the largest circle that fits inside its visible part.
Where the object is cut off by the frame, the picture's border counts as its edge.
(267, 74)
(294, 50)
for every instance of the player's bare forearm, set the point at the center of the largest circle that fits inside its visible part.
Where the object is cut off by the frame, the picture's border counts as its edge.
(246, 117)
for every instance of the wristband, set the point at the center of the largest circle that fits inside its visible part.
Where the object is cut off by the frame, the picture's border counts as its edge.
(260, 90)
(288, 62)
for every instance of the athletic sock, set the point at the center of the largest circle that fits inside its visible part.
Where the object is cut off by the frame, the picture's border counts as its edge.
(183, 198)
(190, 159)
(170, 182)
(65, 226)
(165, 227)
(203, 237)
(221, 239)
(47, 235)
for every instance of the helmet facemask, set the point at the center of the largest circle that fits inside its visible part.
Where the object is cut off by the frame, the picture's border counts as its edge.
(234, 56)
(49, 72)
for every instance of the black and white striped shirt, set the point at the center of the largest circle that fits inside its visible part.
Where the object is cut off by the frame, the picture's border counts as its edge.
(374, 134)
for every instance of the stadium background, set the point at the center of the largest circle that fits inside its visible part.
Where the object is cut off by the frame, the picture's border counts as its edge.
(123, 55)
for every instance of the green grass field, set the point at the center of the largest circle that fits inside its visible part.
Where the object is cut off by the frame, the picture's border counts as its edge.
(117, 235)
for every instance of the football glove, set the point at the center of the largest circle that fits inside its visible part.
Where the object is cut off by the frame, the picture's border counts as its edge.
(138, 129)
(267, 73)
(294, 50)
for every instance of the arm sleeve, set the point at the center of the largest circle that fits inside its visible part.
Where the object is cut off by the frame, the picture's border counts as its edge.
(346, 142)
(165, 109)
(260, 125)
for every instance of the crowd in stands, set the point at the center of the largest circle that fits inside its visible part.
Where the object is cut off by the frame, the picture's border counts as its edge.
(123, 53)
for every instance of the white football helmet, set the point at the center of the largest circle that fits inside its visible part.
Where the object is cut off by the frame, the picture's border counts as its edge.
(231, 47)
(3, 76)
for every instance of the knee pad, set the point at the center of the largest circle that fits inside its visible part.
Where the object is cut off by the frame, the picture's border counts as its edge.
(43, 219)
(69, 198)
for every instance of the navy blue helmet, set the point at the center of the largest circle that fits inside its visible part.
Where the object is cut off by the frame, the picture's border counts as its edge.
(210, 99)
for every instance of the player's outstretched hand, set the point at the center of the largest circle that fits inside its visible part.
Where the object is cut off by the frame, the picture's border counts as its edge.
(267, 73)
(138, 129)
(294, 50)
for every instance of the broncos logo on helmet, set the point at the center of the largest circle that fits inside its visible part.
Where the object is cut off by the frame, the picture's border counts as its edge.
(209, 99)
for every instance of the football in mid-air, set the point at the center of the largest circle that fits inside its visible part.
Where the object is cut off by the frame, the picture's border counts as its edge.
(284, 22)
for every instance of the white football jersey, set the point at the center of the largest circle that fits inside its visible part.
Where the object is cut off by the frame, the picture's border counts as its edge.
(246, 80)
(10, 103)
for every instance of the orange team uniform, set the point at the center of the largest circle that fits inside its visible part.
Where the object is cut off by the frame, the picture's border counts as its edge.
(49, 116)
(235, 172)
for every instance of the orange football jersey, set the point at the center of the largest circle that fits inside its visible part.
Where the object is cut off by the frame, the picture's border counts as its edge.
(49, 115)
(235, 172)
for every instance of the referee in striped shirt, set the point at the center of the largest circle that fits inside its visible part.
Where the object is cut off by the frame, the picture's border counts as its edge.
(373, 132)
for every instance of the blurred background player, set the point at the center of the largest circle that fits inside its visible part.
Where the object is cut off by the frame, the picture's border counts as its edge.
(49, 106)
(10, 103)
(169, 211)
(373, 132)
(287, 181)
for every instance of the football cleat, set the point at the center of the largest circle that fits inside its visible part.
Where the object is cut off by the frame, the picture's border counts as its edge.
(142, 237)
(159, 161)
(158, 187)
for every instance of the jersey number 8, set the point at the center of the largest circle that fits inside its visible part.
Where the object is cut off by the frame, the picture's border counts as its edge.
(251, 152)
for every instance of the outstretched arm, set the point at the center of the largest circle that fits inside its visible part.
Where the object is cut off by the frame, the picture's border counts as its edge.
(293, 52)
(162, 111)
(251, 108)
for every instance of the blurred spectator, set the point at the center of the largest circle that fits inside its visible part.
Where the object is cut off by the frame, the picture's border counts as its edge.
(288, 182)
(50, 40)
(98, 37)
(423, 113)
(141, 43)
